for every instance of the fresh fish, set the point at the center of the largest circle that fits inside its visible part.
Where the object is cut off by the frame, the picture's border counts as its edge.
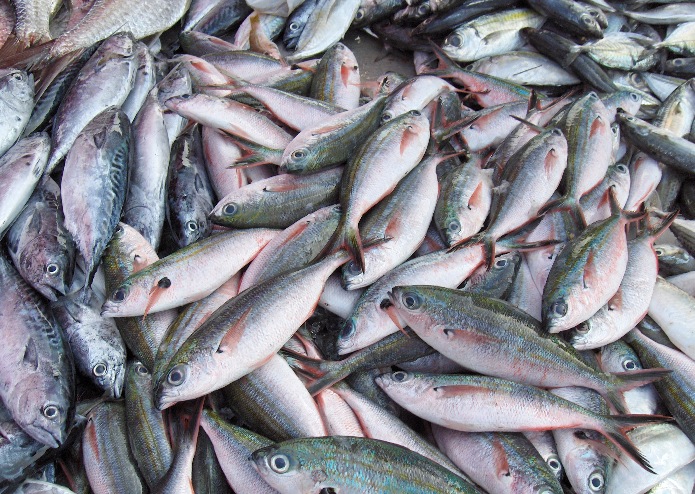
(673, 260)
(94, 184)
(672, 309)
(21, 169)
(570, 15)
(96, 344)
(180, 278)
(16, 103)
(296, 23)
(676, 13)
(104, 81)
(526, 68)
(595, 205)
(33, 17)
(220, 151)
(347, 465)
(144, 81)
(38, 383)
(189, 196)
(214, 16)
(337, 78)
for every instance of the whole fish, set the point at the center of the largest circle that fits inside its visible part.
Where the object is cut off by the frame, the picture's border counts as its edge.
(37, 383)
(527, 68)
(104, 81)
(40, 246)
(21, 168)
(94, 185)
(96, 344)
(348, 465)
(17, 101)
(179, 278)
(189, 195)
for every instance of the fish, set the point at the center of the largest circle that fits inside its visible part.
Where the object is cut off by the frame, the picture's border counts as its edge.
(337, 78)
(17, 97)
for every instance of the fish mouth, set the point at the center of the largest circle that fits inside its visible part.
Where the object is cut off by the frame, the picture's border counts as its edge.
(52, 439)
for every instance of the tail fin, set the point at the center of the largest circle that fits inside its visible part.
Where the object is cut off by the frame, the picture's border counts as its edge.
(488, 244)
(347, 236)
(311, 367)
(655, 232)
(625, 381)
(616, 426)
(255, 154)
(33, 56)
(566, 203)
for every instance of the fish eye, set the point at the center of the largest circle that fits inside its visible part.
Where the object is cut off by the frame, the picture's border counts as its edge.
(99, 370)
(596, 481)
(557, 132)
(559, 308)
(177, 375)
(348, 330)
(386, 116)
(186, 96)
(229, 209)
(414, 113)
(583, 328)
(119, 229)
(191, 226)
(50, 411)
(554, 463)
(454, 226)
(142, 370)
(17, 76)
(622, 168)
(400, 376)
(293, 26)
(299, 154)
(635, 97)
(594, 13)
(119, 295)
(455, 41)
(411, 300)
(587, 19)
(629, 364)
(359, 14)
(52, 269)
(279, 463)
(500, 263)
(423, 9)
(659, 252)
(353, 268)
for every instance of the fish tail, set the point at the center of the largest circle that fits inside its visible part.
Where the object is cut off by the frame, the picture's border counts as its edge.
(625, 381)
(566, 203)
(306, 365)
(31, 57)
(616, 426)
(347, 236)
(655, 232)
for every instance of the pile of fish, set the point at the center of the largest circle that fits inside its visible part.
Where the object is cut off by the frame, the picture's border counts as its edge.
(231, 264)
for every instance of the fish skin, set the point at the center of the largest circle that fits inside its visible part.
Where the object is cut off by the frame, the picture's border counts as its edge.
(338, 416)
(676, 390)
(179, 278)
(374, 172)
(620, 357)
(7, 21)
(278, 201)
(33, 17)
(104, 81)
(218, 353)
(189, 195)
(106, 17)
(545, 445)
(219, 151)
(273, 399)
(569, 15)
(143, 81)
(498, 280)
(145, 204)
(353, 465)
(403, 216)
(94, 341)
(536, 69)
(672, 309)
(673, 260)
(35, 344)
(107, 457)
(645, 175)
(480, 403)
(147, 433)
(18, 450)
(128, 252)
(573, 292)
(17, 98)
(337, 78)
(21, 168)
(217, 16)
(632, 300)
(498, 462)
(177, 83)
(296, 23)
(233, 446)
(94, 184)
(333, 141)
(469, 329)
(594, 204)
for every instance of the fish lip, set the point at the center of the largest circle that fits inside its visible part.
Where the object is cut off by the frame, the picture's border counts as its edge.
(46, 437)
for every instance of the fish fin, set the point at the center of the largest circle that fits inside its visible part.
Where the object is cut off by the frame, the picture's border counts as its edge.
(155, 293)
(453, 390)
(655, 232)
(589, 275)
(566, 203)
(347, 236)
(531, 125)
(345, 72)
(31, 356)
(476, 196)
(499, 458)
(231, 338)
(34, 56)
(308, 366)
(616, 426)
(625, 381)
(390, 310)
(444, 61)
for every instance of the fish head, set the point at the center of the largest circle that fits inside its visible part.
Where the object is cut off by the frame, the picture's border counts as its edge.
(555, 466)
(281, 466)
(17, 84)
(192, 228)
(123, 298)
(48, 270)
(44, 414)
(186, 379)
(585, 466)
(591, 25)
(298, 156)
(455, 45)
(227, 212)
(618, 356)
(120, 44)
(403, 387)
(107, 370)
(352, 274)
(411, 306)
(556, 314)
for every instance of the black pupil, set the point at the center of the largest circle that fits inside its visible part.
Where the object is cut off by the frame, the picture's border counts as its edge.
(553, 464)
(501, 264)
(454, 226)
(298, 154)
(52, 268)
(51, 412)
(119, 296)
(399, 376)
(294, 26)
(230, 209)
(176, 376)
(280, 463)
(142, 370)
(100, 369)
(346, 331)
(409, 301)
(596, 482)
(629, 365)
(192, 225)
(164, 283)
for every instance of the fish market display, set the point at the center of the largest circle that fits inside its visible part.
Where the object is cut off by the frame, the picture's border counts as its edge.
(240, 255)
